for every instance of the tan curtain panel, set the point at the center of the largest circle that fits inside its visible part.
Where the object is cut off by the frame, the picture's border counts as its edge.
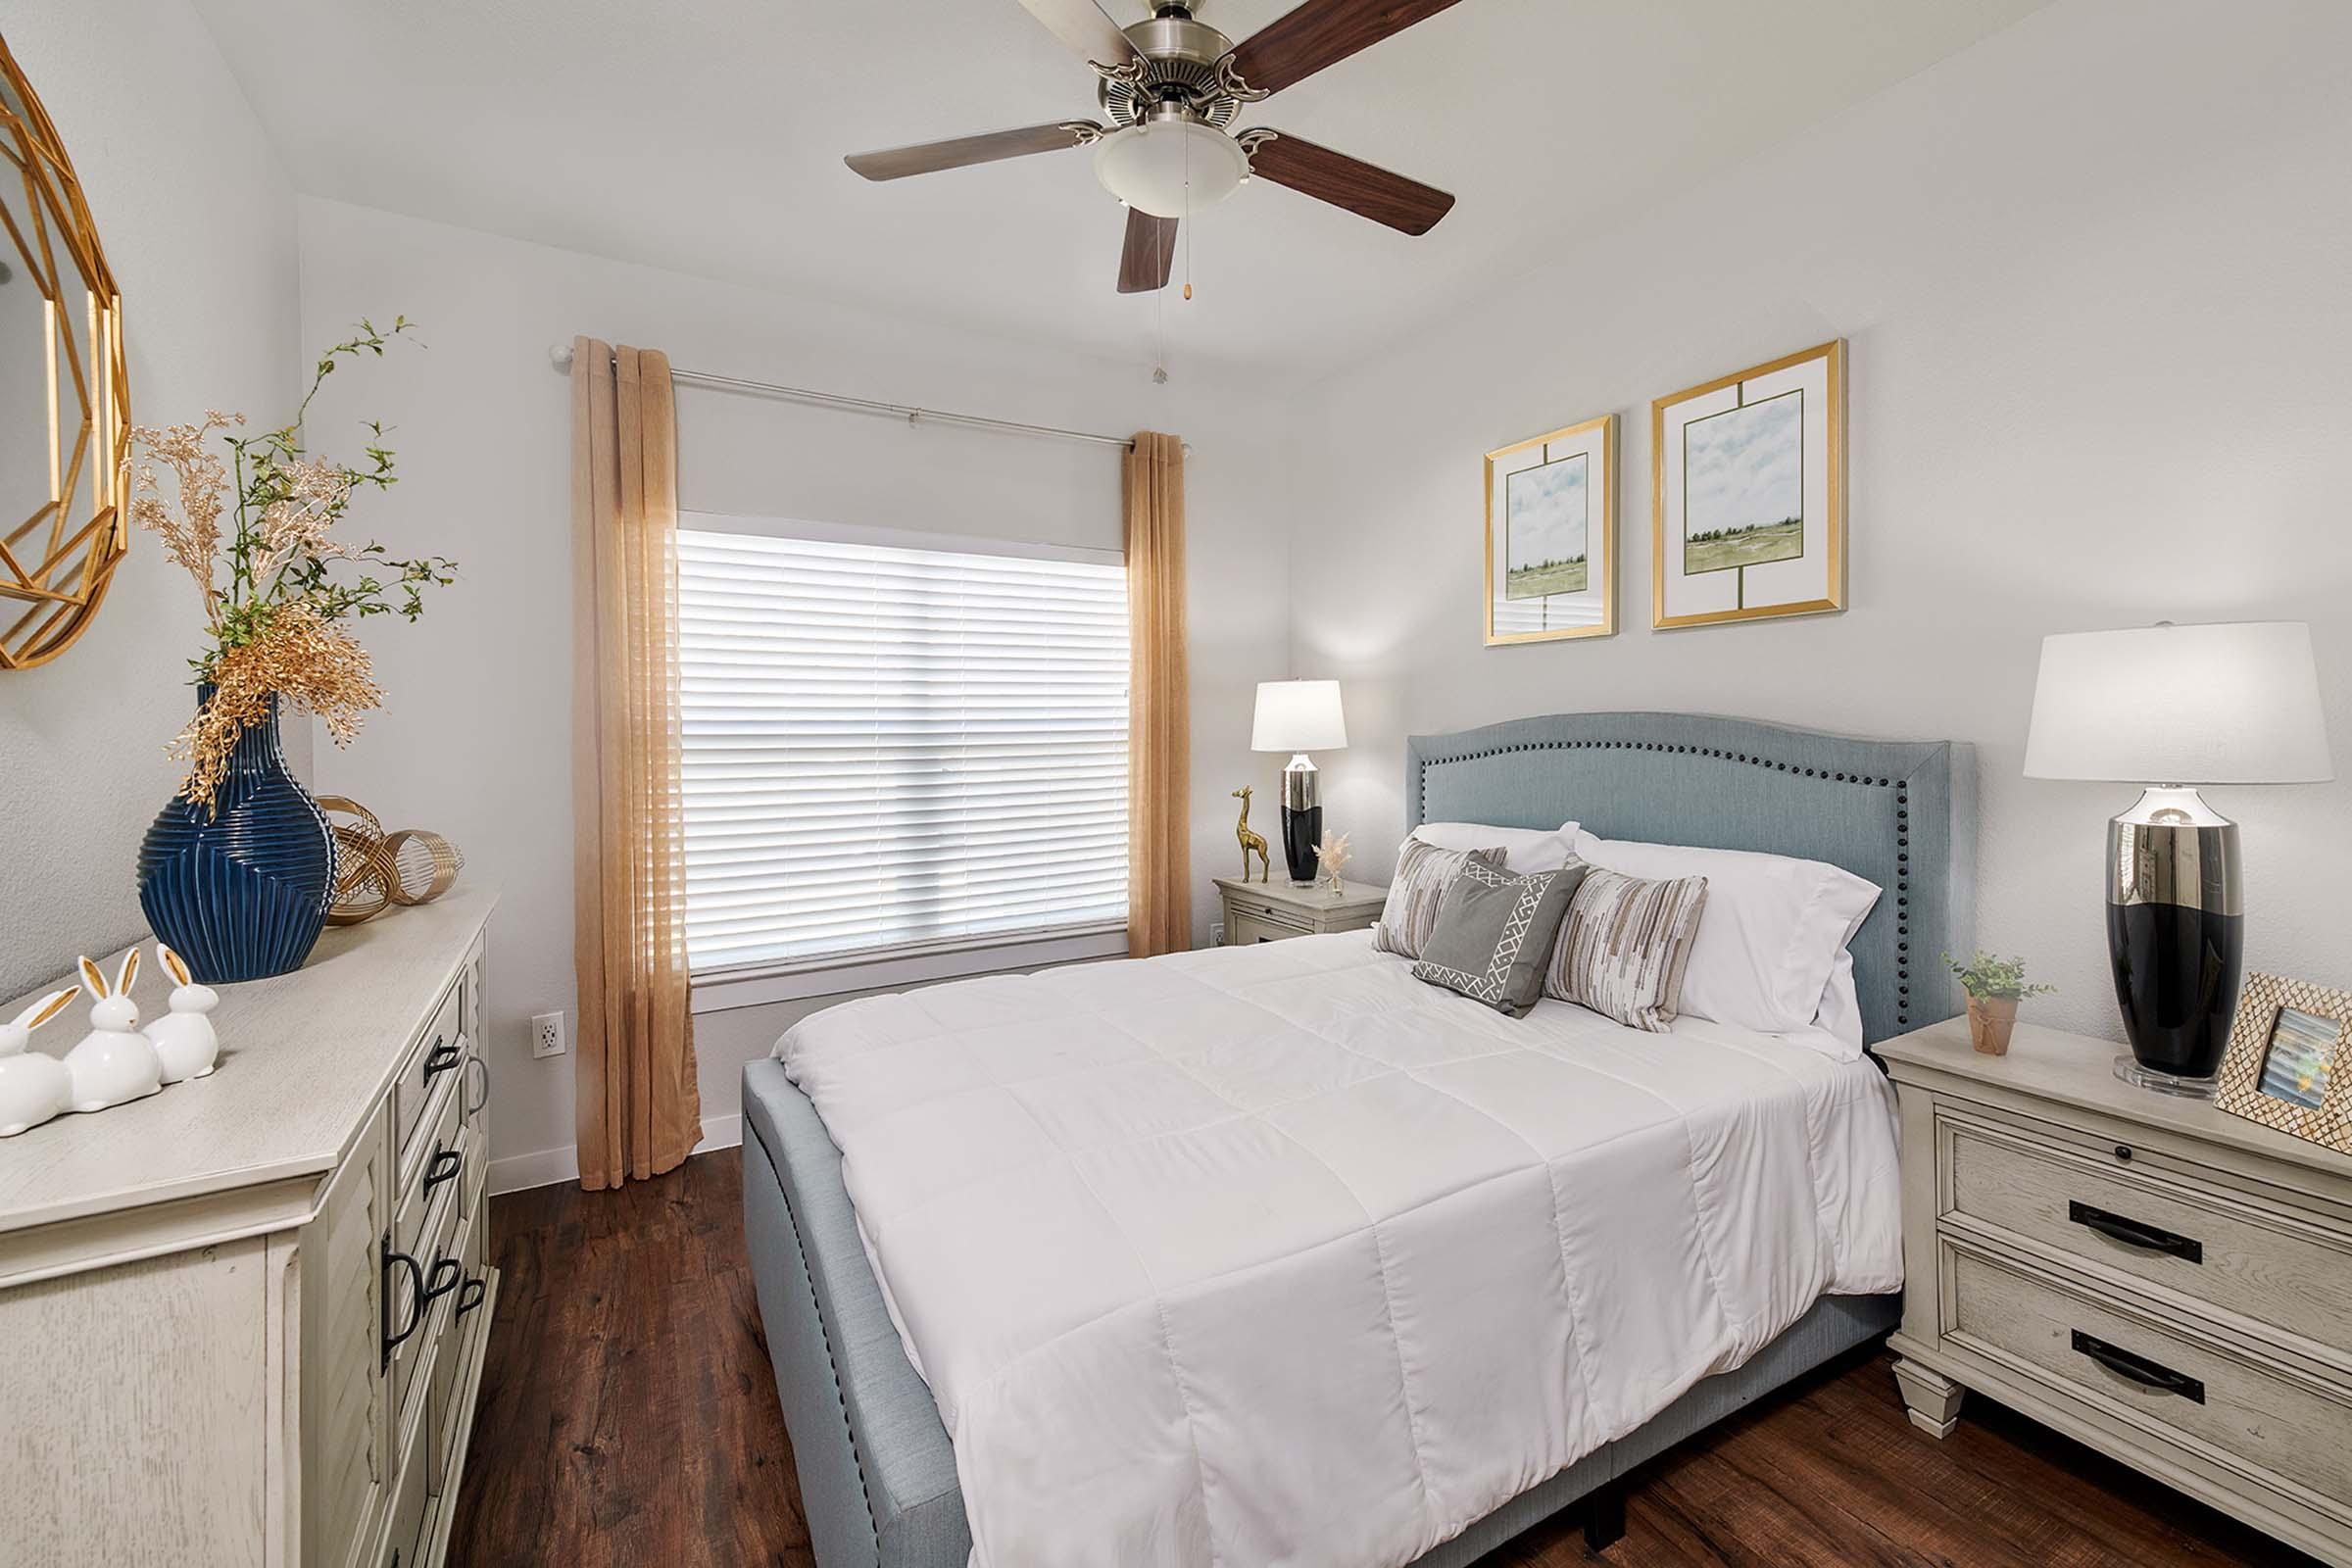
(1160, 880)
(638, 1105)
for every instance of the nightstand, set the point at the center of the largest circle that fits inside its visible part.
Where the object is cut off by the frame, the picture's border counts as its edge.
(1268, 911)
(2167, 1282)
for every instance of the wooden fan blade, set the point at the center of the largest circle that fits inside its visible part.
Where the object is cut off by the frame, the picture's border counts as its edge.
(930, 156)
(1319, 33)
(1350, 183)
(1082, 26)
(1150, 253)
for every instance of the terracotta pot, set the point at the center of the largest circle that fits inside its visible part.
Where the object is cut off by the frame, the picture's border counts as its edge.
(1990, 1021)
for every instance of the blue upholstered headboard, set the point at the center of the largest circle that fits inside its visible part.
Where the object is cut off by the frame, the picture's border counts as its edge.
(1902, 814)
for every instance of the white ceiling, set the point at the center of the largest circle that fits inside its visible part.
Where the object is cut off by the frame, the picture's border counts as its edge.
(706, 136)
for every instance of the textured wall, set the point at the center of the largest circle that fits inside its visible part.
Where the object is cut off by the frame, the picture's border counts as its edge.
(2092, 277)
(198, 222)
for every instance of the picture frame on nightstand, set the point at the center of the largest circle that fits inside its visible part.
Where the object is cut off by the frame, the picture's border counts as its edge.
(2290, 1061)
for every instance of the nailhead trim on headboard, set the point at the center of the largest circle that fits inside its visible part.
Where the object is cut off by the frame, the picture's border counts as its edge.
(1902, 820)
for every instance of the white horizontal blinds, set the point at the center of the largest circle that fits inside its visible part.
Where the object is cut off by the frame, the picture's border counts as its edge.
(887, 747)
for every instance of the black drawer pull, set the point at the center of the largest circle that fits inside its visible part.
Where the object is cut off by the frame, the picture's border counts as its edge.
(447, 1272)
(417, 1299)
(471, 1296)
(442, 1167)
(478, 1073)
(441, 1058)
(2139, 1369)
(2131, 1233)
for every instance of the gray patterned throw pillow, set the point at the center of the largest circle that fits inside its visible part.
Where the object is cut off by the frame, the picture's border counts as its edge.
(1423, 873)
(1623, 946)
(1494, 934)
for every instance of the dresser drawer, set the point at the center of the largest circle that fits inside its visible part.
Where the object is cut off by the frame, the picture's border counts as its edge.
(437, 1270)
(2239, 1248)
(443, 1152)
(1241, 930)
(406, 1527)
(432, 1065)
(458, 1347)
(2292, 1434)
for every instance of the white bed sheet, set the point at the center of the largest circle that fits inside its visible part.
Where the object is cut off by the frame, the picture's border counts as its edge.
(1274, 1255)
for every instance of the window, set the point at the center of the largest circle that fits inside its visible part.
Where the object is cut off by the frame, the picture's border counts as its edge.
(892, 749)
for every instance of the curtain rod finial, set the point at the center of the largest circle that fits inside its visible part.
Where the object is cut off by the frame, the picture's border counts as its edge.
(559, 355)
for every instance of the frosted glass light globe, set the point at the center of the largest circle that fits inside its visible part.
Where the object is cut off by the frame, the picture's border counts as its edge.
(1147, 167)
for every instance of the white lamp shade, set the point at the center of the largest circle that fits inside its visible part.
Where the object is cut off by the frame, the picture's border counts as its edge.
(1299, 716)
(1170, 169)
(2229, 704)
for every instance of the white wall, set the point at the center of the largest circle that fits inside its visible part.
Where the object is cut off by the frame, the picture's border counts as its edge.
(2093, 275)
(476, 740)
(197, 220)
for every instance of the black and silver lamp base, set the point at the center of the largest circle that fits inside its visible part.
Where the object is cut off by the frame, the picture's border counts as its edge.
(1301, 819)
(2175, 936)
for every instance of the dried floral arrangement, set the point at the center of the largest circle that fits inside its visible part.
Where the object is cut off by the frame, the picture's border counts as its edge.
(275, 629)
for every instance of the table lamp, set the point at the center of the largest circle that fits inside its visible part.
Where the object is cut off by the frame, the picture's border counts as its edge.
(1299, 716)
(2171, 708)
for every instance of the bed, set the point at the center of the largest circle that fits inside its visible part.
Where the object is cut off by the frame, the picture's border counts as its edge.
(878, 1472)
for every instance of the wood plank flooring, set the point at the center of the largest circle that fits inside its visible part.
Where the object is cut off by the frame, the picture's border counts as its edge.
(628, 1420)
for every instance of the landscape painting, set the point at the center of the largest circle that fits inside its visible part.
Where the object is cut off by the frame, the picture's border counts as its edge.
(1546, 521)
(2302, 1050)
(1744, 485)
(1747, 494)
(1552, 535)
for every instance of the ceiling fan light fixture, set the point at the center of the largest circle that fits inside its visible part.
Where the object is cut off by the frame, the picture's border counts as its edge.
(1149, 167)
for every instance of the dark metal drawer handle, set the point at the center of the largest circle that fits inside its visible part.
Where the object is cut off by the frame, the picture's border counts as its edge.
(477, 1072)
(441, 1058)
(2139, 1369)
(2131, 1233)
(447, 1272)
(442, 1167)
(471, 1296)
(417, 1299)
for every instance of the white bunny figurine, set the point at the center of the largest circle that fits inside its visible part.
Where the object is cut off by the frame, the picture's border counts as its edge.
(32, 1087)
(113, 1062)
(183, 1037)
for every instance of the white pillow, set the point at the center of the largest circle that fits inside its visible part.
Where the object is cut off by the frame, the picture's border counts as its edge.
(1774, 926)
(1524, 848)
(1840, 1016)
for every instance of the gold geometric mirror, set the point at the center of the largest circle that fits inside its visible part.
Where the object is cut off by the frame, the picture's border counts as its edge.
(65, 410)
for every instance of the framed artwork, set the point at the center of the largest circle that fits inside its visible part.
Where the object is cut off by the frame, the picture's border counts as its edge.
(2289, 1062)
(1747, 494)
(1552, 535)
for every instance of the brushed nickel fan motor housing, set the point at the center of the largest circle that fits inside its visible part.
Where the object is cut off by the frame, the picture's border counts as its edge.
(1177, 62)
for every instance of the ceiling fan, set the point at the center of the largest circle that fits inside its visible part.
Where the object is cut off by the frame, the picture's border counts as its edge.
(1171, 87)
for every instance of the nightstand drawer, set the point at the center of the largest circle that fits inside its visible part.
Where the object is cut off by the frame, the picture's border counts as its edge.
(1242, 929)
(2295, 1438)
(2240, 1250)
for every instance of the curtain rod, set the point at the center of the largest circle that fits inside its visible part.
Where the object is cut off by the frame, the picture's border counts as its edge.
(559, 356)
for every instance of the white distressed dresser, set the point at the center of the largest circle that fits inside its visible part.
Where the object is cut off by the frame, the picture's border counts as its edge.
(2154, 1276)
(241, 1321)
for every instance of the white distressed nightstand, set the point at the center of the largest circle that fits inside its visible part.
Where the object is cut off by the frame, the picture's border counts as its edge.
(2165, 1282)
(1268, 911)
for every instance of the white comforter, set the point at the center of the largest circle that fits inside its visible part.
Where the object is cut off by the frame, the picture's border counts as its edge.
(1274, 1255)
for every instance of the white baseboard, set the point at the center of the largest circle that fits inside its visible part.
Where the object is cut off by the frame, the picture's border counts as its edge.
(545, 1167)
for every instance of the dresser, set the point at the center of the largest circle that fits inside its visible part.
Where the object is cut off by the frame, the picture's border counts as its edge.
(242, 1320)
(1268, 911)
(2167, 1282)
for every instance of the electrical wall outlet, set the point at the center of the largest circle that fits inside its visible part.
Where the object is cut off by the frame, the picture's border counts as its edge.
(1217, 933)
(547, 1034)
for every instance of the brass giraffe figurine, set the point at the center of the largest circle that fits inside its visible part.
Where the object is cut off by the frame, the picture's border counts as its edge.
(1249, 841)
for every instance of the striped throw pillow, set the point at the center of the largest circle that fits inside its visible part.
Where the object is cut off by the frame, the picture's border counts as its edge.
(1623, 946)
(1423, 873)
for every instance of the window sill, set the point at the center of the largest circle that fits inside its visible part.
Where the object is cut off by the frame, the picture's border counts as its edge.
(722, 990)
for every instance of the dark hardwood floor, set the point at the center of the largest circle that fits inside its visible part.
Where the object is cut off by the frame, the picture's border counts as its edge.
(627, 1419)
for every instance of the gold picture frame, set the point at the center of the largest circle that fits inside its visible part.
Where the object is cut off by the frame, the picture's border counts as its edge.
(1572, 479)
(2290, 1061)
(1791, 411)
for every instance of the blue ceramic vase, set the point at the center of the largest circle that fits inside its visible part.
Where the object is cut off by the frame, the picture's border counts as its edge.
(242, 890)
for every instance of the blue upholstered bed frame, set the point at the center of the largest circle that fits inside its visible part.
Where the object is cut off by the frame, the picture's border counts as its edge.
(877, 1473)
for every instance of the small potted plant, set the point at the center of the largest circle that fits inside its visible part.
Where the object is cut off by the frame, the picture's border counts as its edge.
(1994, 987)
